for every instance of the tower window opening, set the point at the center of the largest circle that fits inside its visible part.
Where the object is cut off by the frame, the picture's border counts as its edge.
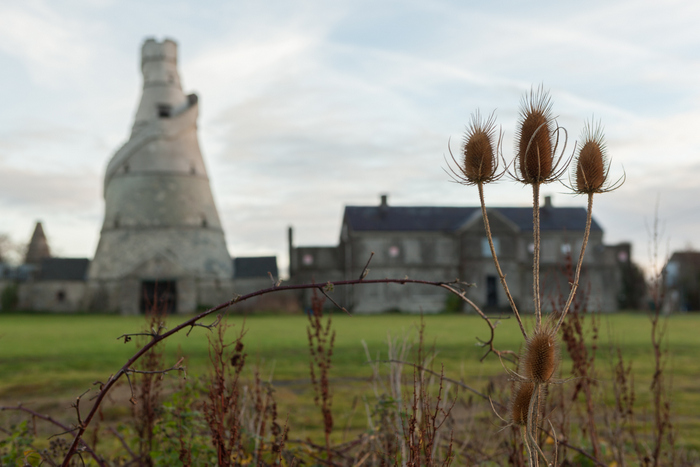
(164, 110)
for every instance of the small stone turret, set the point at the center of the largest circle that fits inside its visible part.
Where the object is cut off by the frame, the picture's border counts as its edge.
(161, 224)
(38, 247)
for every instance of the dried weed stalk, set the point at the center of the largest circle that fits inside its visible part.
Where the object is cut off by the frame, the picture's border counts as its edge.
(540, 157)
(222, 407)
(321, 339)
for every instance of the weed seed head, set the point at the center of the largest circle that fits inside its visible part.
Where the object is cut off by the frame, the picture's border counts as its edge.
(541, 356)
(479, 151)
(535, 134)
(520, 402)
(591, 164)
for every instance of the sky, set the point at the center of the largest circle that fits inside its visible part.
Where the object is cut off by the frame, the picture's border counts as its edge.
(309, 106)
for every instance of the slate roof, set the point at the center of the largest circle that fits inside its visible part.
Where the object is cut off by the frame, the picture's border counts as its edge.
(63, 269)
(687, 258)
(447, 219)
(254, 266)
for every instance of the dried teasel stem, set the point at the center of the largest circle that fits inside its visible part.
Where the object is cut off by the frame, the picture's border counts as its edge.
(536, 254)
(535, 163)
(536, 369)
(591, 169)
(479, 166)
(534, 166)
(579, 265)
(502, 276)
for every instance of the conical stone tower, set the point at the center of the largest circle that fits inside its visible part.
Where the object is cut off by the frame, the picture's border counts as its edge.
(161, 238)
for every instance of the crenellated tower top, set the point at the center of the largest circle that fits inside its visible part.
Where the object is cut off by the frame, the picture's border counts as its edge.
(162, 89)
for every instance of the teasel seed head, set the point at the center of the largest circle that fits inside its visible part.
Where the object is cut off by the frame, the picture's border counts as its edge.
(520, 402)
(479, 150)
(535, 135)
(541, 355)
(479, 160)
(591, 164)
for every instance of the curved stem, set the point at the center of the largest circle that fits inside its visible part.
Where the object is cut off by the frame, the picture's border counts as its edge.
(192, 322)
(487, 227)
(536, 253)
(574, 286)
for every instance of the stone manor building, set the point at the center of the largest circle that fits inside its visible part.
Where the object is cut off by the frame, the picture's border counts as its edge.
(444, 243)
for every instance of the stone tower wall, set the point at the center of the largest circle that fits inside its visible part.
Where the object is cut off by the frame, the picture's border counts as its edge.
(161, 221)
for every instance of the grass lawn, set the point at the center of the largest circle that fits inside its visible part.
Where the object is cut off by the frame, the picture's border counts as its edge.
(47, 360)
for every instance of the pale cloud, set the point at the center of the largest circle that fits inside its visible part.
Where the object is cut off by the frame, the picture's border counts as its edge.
(51, 45)
(308, 107)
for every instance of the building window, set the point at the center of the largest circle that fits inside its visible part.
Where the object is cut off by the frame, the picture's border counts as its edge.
(307, 259)
(61, 296)
(394, 251)
(486, 249)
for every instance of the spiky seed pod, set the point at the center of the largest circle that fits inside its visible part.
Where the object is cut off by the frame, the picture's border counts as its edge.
(535, 134)
(591, 161)
(479, 151)
(520, 402)
(541, 356)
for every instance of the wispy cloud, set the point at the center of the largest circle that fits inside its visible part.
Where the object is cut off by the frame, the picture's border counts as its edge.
(311, 106)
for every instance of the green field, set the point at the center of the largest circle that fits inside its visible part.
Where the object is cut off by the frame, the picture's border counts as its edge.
(47, 360)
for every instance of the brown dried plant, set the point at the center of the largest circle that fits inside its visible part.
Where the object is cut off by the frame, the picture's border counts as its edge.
(321, 340)
(481, 155)
(591, 167)
(222, 407)
(536, 162)
(539, 159)
(480, 163)
(147, 389)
